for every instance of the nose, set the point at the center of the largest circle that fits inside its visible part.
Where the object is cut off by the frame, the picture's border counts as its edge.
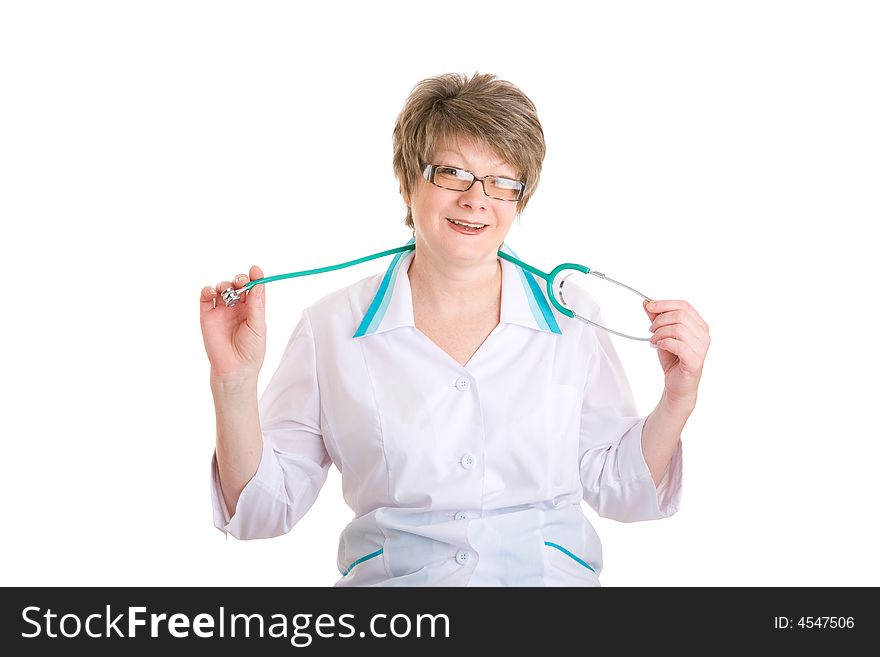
(475, 198)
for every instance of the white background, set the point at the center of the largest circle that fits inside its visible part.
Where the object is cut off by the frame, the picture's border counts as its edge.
(721, 153)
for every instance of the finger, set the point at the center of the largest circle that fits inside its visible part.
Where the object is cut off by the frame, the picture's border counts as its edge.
(696, 339)
(690, 310)
(239, 283)
(663, 307)
(674, 317)
(222, 285)
(690, 361)
(671, 338)
(679, 331)
(257, 292)
(256, 300)
(207, 299)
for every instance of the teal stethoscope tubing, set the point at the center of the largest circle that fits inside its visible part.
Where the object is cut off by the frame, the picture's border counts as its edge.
(231, 296)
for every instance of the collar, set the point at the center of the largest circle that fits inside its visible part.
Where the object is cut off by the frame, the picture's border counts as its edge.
(523, 301)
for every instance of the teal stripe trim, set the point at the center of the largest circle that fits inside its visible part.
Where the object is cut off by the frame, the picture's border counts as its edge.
(562, 549)
(380, 302)
(537, 301)
(361, 560)
(538, 304)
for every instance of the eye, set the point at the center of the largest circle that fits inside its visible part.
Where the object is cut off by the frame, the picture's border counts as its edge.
(507, 183)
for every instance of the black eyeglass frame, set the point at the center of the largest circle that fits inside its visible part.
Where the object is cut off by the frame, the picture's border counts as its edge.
(430, 170)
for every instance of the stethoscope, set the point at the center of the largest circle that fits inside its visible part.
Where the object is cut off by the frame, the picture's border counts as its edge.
(231, 296)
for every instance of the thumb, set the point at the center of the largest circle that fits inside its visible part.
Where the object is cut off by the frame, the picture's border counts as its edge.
(256, 298)
(256, 308)
(257, 294)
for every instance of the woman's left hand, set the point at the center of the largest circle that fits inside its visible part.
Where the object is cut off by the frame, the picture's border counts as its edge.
(682, 340)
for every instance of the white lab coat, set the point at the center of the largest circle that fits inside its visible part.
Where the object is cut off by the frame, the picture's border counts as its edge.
(457, 475)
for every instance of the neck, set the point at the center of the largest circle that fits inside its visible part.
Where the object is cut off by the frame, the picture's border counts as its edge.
(455, 289)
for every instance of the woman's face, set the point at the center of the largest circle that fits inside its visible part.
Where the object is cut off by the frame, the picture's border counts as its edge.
(434, 207)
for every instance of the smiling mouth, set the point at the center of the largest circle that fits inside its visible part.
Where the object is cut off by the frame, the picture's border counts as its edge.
(472, 228)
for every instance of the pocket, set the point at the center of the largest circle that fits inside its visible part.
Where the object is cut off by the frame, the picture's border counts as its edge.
(564, 568)
(373, 570)
(368, 570)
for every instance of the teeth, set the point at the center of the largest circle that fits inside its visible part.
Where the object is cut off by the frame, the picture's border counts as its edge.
(461, 223)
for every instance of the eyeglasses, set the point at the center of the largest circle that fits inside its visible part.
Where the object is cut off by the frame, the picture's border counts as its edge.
(461, 180)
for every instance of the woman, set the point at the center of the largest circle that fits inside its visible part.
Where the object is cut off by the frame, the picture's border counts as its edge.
(467, 417)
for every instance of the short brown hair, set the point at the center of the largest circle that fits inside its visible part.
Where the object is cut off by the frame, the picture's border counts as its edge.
(482, 107)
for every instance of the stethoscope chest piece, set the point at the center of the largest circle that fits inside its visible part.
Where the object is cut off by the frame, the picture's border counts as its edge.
(231, 296)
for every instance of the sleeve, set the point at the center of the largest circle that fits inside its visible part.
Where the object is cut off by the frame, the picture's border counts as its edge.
(294, 462)
(615, 477)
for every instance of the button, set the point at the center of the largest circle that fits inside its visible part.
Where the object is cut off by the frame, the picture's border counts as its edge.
(463, 383)
(462, 515)
(467, 461)
(462, 557)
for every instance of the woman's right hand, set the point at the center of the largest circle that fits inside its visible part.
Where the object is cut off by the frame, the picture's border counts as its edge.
(235, 338)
